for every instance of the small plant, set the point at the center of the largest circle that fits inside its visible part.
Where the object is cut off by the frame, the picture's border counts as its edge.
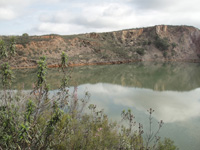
(7, 50)
(12, 46)
(161, 43)
(167, 144)
(145, 43)
(6, 74)
(42, 67)
(174, 45)
(3, 49)
(63, 60)
(165, 54)
(6, 78)
(140, 51)
(173, 52)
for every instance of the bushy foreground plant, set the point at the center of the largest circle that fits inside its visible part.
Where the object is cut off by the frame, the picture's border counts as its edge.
(40, 121)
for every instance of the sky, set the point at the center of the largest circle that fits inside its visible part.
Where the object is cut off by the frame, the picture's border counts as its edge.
(66, 17)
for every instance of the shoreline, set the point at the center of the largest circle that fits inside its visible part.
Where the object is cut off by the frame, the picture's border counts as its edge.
(109, 63)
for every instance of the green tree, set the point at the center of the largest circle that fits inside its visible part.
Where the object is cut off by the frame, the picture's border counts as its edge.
(3, 50)
(161, 43)
(12, 46)
(63, 60)
(6, 74)
(6, 78)
(42, 67)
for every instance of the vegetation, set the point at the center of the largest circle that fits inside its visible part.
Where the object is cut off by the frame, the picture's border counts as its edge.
(140, 51)
(62, 121)
(173, 45)
(3, 50)
(161, 43)
(7, 49)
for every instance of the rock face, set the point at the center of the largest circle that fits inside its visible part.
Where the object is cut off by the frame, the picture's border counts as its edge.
(158, 43)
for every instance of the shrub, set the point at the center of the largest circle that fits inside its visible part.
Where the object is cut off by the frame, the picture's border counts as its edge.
(3, 49)
(161, 44)
(39, 121)
(165, 54)
(140, 51)
(174, 45)
(167, 144)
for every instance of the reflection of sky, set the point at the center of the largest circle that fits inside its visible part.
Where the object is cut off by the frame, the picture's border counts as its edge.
(170, 106)
(180, 111)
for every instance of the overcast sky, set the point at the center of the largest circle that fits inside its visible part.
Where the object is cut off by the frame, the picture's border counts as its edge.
(37, 17)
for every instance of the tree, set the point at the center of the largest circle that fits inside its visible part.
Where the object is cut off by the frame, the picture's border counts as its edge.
(12, 46)
(3, 50)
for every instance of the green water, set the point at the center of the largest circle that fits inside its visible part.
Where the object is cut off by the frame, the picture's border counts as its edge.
(155, 76)
(171, 89)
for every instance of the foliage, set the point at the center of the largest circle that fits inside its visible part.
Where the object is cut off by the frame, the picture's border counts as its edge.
(63, 60)
(7, 49)
(165, 54)
(12, 46)
(6, 74)
(161, 43)
(62, 121)
(23, 40)
(140, 51)
(25, 35)
(3, 50)
(166, 145)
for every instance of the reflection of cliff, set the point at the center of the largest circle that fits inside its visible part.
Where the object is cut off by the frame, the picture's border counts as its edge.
(166, 76)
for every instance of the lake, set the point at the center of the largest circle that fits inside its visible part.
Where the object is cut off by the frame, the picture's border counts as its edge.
(171, 89)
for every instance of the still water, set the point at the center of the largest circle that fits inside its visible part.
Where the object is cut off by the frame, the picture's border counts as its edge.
(171, 89)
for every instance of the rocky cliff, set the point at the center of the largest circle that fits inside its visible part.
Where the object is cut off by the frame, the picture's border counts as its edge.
(158, 43)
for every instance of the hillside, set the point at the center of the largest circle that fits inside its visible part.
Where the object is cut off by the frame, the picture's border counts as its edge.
(158, 43)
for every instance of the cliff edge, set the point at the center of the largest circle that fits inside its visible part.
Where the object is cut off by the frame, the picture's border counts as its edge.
(157, 43)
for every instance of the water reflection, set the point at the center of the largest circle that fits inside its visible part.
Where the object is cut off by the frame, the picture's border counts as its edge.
(156, 76)
(172, 89)
(179, 110)
(170, 106)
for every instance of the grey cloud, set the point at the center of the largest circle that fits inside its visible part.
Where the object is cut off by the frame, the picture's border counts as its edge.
(152, 4)
(97, 23)
(105, 19)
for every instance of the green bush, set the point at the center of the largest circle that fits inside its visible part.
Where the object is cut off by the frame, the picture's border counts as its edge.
(174, 45)
(62, 121)
(165, 54)
(161, 43)
(7, 48)
(140, 51)
(167, 144)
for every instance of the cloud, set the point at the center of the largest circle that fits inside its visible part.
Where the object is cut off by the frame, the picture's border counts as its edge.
(6, 14)
(11, 9)
(152, 4)
(170, 106)
(169, 6)
(14, 2)
(96, 15)
(116, 15)
(58, 28)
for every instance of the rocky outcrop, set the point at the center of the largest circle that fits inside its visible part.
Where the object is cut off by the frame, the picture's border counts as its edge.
(158, 43)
